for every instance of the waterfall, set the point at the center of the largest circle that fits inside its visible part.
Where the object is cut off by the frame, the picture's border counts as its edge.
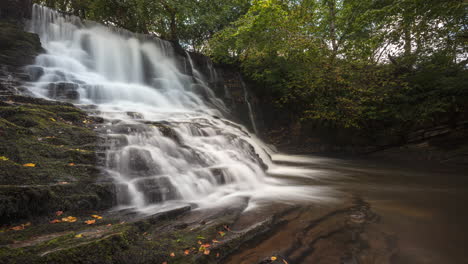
(166, 135)
(249, 106)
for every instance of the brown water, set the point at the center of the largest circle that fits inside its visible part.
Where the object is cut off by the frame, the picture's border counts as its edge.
(424, 206)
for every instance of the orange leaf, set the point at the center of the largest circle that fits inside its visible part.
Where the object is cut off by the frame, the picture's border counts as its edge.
(273, 258)
(71, 164)
(215, 241)
(172, 254)
(96, 216)
(29, 165)
(221, 233)
(17, 228)
(186, 252)
(206, 245)
(58, 213)
(217, 255)
(55, 221)
(90, 222)
(206, 252)
(109, 224)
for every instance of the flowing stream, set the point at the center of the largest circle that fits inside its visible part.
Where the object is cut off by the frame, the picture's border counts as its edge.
(167, 140)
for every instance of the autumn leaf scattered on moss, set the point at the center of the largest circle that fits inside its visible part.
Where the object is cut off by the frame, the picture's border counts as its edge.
(69, 219)
(90, 222)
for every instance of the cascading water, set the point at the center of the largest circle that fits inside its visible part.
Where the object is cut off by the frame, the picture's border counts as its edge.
(167, 139)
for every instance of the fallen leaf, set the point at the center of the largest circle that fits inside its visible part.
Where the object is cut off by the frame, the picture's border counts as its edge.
(200, 237)
(227, 228)
(69, 219)
(165, 262)
(29, 165)
(206, 252)
(221, 233)
(58, 213)
(96, 216)
(285, 262)
(215, 241)
(79, 236)
(199, 242)
(17, 228)
(63, 183)
(273, 258)
(3, 158)
(90, 222)
(206, 245)
(55, 221)
(217, 255)
(27, 224)
(172, 254)
(109, 224)
(186, 252)
(53, 119)
(71, 164)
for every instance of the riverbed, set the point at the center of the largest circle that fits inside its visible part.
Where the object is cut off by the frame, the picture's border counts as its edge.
(420, 207)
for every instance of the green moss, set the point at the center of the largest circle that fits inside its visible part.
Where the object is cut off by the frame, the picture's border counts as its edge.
(17, 46)
(60, 141)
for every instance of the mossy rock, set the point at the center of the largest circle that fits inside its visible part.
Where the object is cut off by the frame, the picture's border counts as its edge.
(17, 47)
(58, 143)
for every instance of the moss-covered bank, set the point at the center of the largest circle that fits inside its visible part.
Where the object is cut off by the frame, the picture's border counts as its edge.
(48, 159)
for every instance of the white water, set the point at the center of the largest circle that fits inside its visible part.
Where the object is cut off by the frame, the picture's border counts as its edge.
(167, 138)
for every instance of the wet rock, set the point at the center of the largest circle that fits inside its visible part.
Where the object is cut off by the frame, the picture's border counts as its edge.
(135, 115)
(64, 91)
(158, 189)
(35, 72)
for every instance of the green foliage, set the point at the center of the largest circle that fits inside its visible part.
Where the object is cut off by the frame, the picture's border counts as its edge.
(358, 63)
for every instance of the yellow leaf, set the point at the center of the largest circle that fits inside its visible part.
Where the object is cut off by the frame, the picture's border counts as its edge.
(273, 258)
(96, 216)
(90, 222)
(79, 236)
(3, 158)
(69, 219)
(53, 119)
(29, 165)
(215, 241)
